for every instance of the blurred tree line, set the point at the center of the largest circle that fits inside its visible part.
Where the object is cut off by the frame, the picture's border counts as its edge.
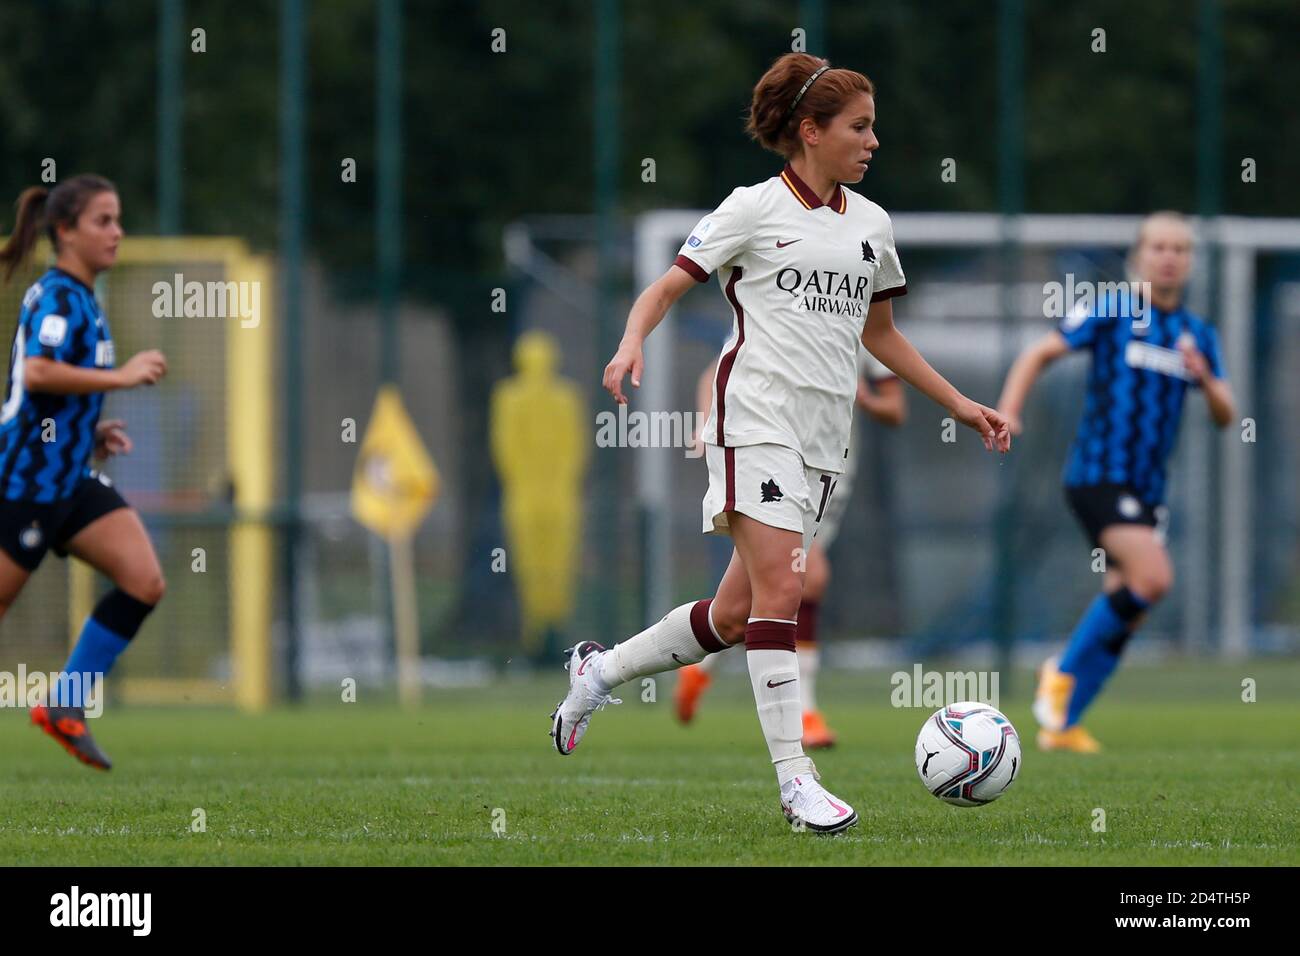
(493, 136)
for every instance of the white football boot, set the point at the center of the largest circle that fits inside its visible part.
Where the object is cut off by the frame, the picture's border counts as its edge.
(570, 718)
(810, 806)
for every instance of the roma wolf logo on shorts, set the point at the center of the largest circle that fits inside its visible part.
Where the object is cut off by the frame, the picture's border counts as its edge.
(771, 492)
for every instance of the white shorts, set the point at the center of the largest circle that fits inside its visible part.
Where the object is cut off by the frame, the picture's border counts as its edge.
(768, 483)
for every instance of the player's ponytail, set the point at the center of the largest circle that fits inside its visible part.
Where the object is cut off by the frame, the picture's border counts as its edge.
(31, 209)
(784, 96)
(41, 208)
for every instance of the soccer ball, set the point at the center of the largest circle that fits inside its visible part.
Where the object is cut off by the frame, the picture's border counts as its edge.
(967, 754)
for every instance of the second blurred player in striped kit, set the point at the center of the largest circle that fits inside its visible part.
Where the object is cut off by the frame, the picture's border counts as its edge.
(1146, 355)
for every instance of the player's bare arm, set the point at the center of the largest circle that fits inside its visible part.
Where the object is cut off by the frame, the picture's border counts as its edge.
(1218, 393)
(647, 312)
(883, 340)
(42, 374)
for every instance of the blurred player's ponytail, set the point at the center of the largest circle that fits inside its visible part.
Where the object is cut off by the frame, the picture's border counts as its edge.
(772, 123)
(31, 209)
(39, 208)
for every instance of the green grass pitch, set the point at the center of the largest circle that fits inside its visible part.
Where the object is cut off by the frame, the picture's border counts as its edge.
(1191, 775)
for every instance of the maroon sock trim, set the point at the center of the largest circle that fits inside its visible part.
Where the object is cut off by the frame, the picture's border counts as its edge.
(806, 629)
(700, 627)
(769, 636)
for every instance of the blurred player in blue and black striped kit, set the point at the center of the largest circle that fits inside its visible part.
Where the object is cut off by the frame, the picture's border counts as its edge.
(61, 364)
(1145, 355)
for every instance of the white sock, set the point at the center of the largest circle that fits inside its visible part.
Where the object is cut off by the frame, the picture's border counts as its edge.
(809, 658)
(664, 646)
(778, 709)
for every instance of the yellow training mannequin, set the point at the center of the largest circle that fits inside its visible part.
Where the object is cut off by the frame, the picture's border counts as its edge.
(540, 450)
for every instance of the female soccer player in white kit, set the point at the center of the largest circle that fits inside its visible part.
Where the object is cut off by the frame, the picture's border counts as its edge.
(809, 270)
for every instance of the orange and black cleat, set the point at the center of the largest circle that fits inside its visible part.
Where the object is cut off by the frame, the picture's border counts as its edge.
(67, 725)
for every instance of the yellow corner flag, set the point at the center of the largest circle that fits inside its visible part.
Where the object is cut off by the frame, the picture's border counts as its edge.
(395, 482)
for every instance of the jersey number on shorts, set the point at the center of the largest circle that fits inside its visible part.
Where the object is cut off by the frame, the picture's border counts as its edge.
(828, 486)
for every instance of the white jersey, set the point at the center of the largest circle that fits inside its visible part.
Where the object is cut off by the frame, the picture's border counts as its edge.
(799, 275)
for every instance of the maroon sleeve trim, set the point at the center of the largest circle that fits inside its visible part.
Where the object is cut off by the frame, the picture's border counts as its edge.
(884, 293)
(698, 274)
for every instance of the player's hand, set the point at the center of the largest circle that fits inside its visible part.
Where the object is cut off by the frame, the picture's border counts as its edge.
(111, 439)
(991, 424)
(144, 368)
(627, 359)
(1193, 360)
(1013, 421)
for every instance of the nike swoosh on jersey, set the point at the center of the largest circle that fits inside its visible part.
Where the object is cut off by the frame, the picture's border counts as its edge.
(782, 245)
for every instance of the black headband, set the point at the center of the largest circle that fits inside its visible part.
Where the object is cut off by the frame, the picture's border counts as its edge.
(799, 96)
